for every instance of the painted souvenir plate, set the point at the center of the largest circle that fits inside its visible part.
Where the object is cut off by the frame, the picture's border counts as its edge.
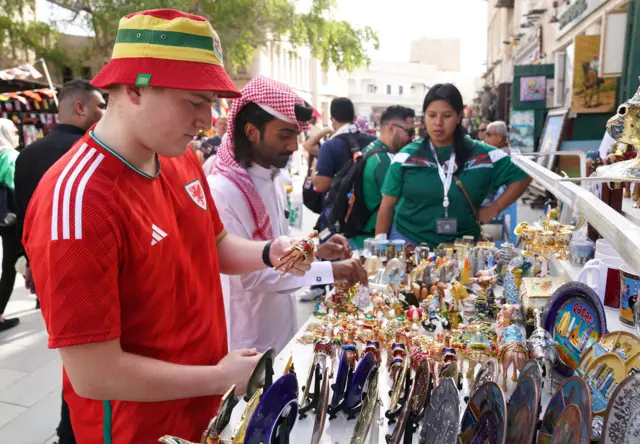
(567, 419)
(575, 318)
(321, 410)
(488, 373)
(422, 383)
(485, 418)
(522, 412)
(603, 375)
(340, 386)
(621, 424)
(360, 377)
(257, 379)
(222, 418)
(442, 416)
(533, 368)
(279, 403)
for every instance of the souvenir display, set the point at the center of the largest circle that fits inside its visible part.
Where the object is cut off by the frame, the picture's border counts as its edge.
(629, 290)
(621, 425)
(321, 409)
(276, 412)
(300, 250)
(533, 369)
(262, 375)
(416, 324)
(568, 416)
(522, 412)
(536, 293)
(488, 372)
(575, 318)
(441, 421)
(323, 351)
(364, 372)
(213, 431)
(367, 413)
(485, 418)
(513, 352)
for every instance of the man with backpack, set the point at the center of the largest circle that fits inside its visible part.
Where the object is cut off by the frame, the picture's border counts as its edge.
(334, 154)
(397, 129)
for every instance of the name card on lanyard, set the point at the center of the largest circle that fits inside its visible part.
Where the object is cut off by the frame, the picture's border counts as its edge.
(445, 225)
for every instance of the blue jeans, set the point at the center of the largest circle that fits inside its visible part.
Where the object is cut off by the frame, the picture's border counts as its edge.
(394, 234)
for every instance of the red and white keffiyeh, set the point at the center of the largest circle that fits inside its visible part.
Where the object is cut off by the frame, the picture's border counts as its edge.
(279, 100)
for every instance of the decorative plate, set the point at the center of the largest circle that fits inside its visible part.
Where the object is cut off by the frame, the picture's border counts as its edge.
(421, 390)
(533, 369)
(522, 412)
(485, 418)
(355, 395)
(257, 379)
(223, 416)
(442, 415)
(621, 424)
(568, 416)
(623, 343)
(340, 386)
(277, 403)
(321, 410)
(575, 318)
(603, 375)
(488, 373)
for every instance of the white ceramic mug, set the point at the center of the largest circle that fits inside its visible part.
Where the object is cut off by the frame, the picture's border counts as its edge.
(595, 274)
(607, 254)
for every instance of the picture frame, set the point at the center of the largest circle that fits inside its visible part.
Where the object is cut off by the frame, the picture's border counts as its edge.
(551, 136)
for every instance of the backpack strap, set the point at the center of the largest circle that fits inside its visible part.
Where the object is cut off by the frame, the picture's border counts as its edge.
(352, 143)
(373, 152)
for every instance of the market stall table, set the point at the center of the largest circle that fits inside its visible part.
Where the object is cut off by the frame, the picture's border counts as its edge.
(339, 430)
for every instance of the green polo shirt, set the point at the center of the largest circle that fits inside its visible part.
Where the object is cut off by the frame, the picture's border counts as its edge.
(373, 174)
(413, 178)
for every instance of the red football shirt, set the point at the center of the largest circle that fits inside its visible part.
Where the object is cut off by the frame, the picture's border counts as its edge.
(116, 253)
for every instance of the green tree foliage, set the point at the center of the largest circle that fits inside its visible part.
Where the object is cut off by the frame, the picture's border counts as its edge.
(244, 26)
(22, 38)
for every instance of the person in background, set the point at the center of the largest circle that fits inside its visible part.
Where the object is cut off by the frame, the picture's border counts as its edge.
(482, 130)
(9, 140)
(210, 145)
(221, 129)
(249, 192)
(332, 156)
(423, 195)
(80, 106)
(335, 153)
(497, 136)
(315, 136)
(397, 128)
(127, 246)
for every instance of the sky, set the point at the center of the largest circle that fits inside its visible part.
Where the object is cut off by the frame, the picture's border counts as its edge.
(397, 23)
(401, 21)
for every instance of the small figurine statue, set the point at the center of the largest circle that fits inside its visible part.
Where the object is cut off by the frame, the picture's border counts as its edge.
(454, 315)
(362, 298)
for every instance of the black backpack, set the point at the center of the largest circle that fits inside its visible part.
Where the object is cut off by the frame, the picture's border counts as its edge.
(310, 197)
(345, 209)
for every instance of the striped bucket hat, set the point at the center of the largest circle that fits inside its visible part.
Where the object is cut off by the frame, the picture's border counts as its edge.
(168, 49)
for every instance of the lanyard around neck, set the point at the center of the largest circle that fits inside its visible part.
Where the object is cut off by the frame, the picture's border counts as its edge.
(447, 177)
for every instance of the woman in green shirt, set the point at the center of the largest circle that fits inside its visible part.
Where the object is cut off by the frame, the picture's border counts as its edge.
(421, 199)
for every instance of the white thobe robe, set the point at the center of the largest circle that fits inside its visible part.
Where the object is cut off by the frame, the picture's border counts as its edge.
(259, 306)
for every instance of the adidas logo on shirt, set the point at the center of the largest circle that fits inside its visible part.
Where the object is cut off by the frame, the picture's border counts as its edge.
(157, 234)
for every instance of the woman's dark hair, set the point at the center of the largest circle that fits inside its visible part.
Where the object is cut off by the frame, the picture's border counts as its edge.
(250, 113)
(450, 94)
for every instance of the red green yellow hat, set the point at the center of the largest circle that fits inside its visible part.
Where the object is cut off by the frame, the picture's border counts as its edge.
(168, 49)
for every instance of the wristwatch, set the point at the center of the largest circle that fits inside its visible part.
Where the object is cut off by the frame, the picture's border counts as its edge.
(265, 254)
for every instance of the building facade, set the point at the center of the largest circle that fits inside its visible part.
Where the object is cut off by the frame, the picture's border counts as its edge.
(443, 53)
(382, 84)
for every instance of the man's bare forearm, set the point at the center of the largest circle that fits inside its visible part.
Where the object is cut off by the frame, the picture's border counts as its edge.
(129, 377)
(237, 255)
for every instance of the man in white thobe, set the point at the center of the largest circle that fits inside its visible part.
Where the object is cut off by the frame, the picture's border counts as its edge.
(251, 199)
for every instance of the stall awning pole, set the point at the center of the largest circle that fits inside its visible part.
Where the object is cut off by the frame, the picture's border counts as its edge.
(46, 73)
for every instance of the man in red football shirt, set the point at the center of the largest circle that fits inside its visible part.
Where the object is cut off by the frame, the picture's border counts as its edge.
(126, 245)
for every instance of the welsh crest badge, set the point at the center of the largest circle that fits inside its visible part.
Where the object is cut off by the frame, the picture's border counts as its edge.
(196, 192)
